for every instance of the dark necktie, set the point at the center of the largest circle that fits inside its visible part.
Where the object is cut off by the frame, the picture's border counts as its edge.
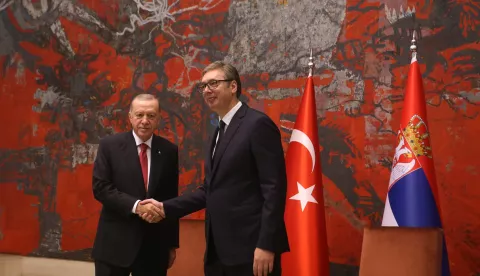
(144, 164)
(221, 131)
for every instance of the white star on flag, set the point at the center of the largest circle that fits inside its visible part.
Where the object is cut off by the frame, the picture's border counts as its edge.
(304, 195)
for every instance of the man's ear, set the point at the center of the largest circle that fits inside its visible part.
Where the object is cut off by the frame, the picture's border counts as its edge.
(234, 87)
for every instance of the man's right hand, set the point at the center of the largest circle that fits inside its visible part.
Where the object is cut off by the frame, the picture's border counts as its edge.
(155, 217)
(150, 212)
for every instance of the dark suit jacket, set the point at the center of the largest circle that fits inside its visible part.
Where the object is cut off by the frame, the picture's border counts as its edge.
(118, 183)
(244, 190)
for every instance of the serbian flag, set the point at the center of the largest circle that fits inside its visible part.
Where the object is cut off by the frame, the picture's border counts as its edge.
(304, 209)
(412, 198)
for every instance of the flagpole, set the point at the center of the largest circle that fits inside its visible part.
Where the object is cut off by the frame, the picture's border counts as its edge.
(311, 65)
(413, 46)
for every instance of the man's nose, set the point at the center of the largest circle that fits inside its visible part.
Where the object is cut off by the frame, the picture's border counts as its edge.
(144, 120)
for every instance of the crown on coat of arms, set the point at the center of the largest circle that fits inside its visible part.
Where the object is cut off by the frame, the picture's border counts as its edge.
(416, 134)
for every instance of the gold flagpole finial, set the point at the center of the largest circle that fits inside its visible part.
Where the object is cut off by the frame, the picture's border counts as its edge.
(310, 64)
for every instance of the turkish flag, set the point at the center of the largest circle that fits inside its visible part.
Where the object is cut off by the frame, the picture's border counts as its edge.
(304, 209)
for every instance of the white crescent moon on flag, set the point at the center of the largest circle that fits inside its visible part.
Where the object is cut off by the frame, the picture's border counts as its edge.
(302, 138)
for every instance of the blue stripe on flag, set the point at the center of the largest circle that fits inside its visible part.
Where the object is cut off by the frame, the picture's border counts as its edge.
(412, 201)
(413, 205)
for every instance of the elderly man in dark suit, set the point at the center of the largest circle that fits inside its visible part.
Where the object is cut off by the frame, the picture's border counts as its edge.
(131, 167)
(244, 191)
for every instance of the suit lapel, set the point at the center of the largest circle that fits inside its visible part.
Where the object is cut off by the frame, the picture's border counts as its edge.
(156, 165)
(229, 134)
(130, 148)
(210, 149)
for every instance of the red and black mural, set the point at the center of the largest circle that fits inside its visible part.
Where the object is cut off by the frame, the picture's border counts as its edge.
(69, 68)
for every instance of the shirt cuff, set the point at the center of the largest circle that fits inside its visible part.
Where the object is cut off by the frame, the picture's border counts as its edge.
(135, 206)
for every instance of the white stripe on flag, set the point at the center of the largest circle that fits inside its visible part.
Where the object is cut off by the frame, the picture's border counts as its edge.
(388, 217)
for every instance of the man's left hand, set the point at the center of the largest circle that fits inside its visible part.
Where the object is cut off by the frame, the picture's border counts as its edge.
(172, 256)
(262, 262)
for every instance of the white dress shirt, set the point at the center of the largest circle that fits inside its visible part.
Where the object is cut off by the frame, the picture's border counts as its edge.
(227, 119)
(139, 141)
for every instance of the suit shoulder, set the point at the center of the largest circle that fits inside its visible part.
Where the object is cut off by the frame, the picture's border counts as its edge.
(258, 117)
(261, 123)
(167, 143)
(113, 139)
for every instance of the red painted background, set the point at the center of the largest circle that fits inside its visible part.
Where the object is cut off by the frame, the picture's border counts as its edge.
(57, 100)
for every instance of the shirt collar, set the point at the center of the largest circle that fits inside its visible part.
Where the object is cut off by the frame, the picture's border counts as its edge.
(139, 141)
(229, 116)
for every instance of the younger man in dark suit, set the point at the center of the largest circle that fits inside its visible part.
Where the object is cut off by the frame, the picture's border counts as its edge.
(245, 184)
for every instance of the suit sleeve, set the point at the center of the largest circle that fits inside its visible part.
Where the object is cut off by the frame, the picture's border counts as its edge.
(104, 190)
(186, 204)
(268, 153)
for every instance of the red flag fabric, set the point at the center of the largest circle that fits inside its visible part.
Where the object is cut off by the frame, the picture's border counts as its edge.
(304, 209)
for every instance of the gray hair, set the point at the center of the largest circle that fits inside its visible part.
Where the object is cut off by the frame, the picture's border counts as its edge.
(144, 97)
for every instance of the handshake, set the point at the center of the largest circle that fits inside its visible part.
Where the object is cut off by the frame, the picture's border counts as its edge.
(150, 210)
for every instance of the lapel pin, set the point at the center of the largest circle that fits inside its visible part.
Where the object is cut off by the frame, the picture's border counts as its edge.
(159, 152)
